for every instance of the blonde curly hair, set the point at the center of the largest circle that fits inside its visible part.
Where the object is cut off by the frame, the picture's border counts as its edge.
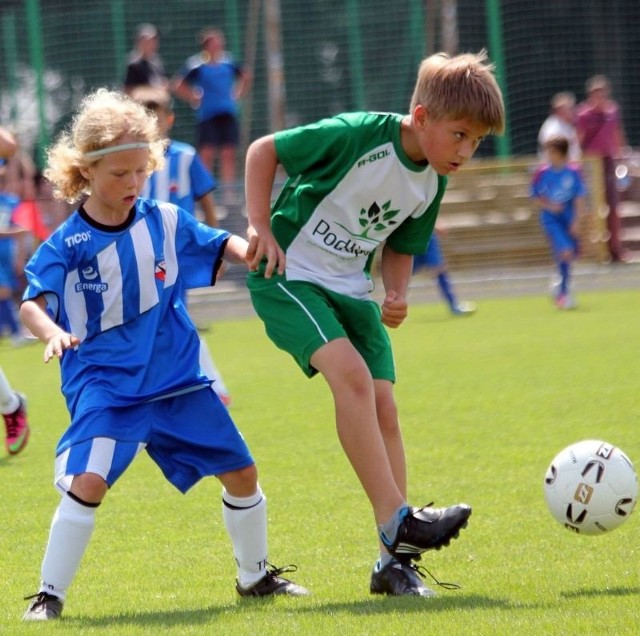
(104, 118)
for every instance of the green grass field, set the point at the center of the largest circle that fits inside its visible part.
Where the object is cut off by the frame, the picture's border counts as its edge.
(485, 402)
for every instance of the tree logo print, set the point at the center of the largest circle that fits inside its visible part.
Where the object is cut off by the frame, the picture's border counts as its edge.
(377, 218)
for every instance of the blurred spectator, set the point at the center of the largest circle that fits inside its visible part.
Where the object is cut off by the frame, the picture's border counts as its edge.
(212, 82)
(12, 261)
(19, 174)
(145, 67)
(52, 211)
(8, 144)
(13, 405)
(19, 209)
(601, 135)
(561, 122)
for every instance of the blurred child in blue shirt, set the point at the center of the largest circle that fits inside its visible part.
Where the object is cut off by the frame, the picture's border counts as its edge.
(559, 191)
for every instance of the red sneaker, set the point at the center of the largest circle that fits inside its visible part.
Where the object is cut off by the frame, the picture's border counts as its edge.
(17, 428)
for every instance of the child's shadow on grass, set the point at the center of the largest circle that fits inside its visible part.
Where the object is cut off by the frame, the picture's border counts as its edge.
(389, 604)
(381, 605)
(602, 591)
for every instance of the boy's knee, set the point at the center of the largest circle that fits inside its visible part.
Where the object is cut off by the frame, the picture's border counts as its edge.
(89, 488)
(242, 482)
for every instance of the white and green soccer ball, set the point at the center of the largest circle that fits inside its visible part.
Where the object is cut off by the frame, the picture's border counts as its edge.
(591, 487)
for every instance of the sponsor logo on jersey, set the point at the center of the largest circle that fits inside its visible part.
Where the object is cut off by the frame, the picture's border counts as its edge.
(97, 287)
(375, 156)
(374, 219)
(77, 238)
(161, 271)
(335, 239)
(89, 281)
(88, 273)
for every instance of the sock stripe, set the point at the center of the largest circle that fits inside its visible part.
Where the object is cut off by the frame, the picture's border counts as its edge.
(82, 502)
(232, 507)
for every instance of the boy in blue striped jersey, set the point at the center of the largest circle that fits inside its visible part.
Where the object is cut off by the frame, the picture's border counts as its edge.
(104, 295)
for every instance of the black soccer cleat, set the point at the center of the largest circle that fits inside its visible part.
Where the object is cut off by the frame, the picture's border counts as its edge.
(272, 584)
(427, 529)
(44, 607)
(399, 578)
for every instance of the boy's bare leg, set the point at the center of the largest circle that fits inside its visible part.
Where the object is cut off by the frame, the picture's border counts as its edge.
(391, 434)
(357, 424)
(377, 457)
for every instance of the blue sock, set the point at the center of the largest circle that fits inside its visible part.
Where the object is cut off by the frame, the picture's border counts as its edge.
(564, 277)
(445, 289)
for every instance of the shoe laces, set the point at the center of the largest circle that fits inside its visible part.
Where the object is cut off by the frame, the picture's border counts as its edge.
(275, 572)
(13, 423)
(422, 571)
(41, 598)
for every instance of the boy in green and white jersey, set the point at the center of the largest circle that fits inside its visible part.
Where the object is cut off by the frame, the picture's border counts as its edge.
(357, 182)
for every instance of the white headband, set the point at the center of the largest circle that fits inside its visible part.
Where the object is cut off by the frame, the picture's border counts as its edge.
(94, 154)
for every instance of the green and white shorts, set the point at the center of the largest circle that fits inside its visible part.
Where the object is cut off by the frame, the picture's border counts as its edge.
(301, 317)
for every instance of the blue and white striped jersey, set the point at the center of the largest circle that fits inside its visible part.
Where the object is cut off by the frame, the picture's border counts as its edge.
(182, 180)
(118, 290)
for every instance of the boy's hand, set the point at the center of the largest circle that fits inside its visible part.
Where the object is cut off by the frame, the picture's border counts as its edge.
(58, 343)
(262, 245)
(394, 310)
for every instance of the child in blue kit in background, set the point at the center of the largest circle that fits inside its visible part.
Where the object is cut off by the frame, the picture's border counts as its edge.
(104, 296)
(559, 191)
(185, 181)
(9, 234)
(433, 260)
(13, 406)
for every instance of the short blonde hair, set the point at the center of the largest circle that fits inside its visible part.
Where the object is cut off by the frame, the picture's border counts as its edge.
(460, 87)
(103, 119)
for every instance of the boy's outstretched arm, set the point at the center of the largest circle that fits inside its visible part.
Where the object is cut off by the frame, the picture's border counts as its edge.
(236, 250)
(396, 274)
(35, 318)
(260, 173)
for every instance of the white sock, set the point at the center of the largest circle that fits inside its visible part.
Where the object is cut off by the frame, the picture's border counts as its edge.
(384, 560)
(246, 521)
(9, 402)
(210, 370)
(69, 536)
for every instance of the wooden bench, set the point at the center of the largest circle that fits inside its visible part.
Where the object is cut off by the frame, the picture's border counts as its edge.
(488, 220)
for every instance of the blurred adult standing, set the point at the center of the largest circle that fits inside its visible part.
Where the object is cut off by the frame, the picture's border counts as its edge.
(8, 144)
(211, 82)
(145, 67)
(601, 134)
(561, 122)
